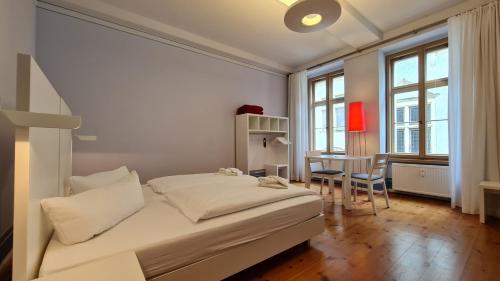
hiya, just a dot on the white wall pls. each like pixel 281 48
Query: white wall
pixel 157 108
pixel 365 81
pixel 17 35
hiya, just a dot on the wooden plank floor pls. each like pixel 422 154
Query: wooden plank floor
pixel 416 239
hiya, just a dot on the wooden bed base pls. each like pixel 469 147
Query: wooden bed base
pixel 244 256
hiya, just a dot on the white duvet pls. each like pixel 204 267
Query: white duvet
pixel 205 196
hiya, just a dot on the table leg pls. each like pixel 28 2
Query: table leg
pixel 347 185
pixel 307 169
pixel 331 187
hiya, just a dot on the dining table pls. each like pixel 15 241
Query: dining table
pixel 348 161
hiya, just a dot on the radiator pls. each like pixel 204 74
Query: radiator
pixel 421 179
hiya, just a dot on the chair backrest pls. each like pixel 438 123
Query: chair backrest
pixel 313 153
pixel 379 163
pixel 315 164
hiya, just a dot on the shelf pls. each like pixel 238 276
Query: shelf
pixel 281 141
pixel 266 132
pixel 264 124
pixel 275 124
pixel 269 116
pixel 41 120
pixel 283 124
pixel 277 165
pixel 280 170
pixel 253 123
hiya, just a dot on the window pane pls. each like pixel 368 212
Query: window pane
pixel 437 137
pixel 400 140
pixel 405 102
pixel 400 115
pixel 414 140
pixel 436 64
pixel 338 87
pixel 437 120
pixel 437 103
pixel 339 115
pixel 338 130
pixel 413 113
pixel 406 126
pixel 320 116
pixel 320 90
pixel 406 71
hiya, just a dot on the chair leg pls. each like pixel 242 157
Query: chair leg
pixel 321 188
pixel 386 195
pixel 343 190
pixel 355 191
pixel 370 195
pixel 332 190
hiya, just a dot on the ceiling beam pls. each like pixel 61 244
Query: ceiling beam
pixel 361 19
pixel 344 35
pixel 411 27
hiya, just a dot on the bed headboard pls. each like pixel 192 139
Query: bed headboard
pixel 42 163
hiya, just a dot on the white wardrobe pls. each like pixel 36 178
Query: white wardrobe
pixel 262 143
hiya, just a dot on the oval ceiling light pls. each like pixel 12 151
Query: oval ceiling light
pixel 312 19
pixel 312 15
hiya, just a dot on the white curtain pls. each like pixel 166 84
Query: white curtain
pixel 299 126
pixel 474 99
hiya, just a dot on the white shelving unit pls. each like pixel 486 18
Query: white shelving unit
pixel 251 130
pixel 280 170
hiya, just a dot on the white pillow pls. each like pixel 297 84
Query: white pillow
pixel 78 184
pixel 79 217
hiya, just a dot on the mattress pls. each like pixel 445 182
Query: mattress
pixel 164 239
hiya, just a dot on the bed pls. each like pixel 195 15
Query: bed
pixel 168 245
pixel 165 240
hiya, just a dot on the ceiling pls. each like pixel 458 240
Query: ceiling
pixel 254 30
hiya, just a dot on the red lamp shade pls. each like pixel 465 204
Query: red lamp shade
pixel 357 122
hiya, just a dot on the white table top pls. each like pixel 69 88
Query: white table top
pixel 120 267
pixel 340 157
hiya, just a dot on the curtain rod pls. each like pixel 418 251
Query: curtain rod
pixel 397 37
pixel 380 43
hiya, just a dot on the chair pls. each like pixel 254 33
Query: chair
pixel 379 163
pixel 318 170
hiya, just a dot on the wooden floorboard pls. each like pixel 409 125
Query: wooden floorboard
pixel 417 239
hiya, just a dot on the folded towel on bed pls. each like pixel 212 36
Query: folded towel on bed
pixel 273 182
pixel 230 172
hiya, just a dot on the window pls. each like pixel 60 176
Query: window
pixel 418 96
pixel 327 113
